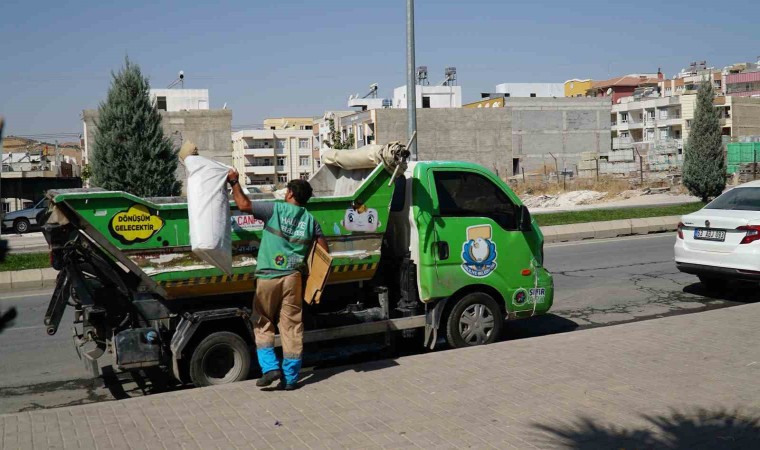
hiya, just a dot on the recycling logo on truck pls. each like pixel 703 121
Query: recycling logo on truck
pixel 479 252
pixel 135 225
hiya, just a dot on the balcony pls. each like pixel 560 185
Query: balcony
pixel 259 152
pixel 259 170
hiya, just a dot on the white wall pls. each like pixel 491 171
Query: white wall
pixel 182 99
pixel 525 89
pixel 440 96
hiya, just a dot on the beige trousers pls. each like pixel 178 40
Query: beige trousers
pixel 280 300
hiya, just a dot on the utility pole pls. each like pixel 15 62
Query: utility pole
pixel 411 82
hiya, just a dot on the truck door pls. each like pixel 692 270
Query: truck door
pixel 472 237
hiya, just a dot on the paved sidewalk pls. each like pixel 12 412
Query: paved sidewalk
pixel 679 382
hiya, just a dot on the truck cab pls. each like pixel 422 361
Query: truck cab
pixel 475 247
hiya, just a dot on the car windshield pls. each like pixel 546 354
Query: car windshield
pixel 740 198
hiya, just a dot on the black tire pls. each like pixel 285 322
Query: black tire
pixel 484 317
pixel 713 284
pixel 21 226
pixel 220 358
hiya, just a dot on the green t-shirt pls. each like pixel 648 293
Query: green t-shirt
pixel 289 231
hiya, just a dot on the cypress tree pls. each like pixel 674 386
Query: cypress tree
pixel 130 152
pixel 704 166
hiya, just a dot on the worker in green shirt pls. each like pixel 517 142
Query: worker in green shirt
pixel 289 232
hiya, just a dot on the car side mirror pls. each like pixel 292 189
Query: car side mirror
pixel 526 222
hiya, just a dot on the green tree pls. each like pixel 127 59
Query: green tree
pixel 130 152
pixel 336 141
pixel 86 172
pixel 704 166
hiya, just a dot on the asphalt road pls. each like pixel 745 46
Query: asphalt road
pixel 598 283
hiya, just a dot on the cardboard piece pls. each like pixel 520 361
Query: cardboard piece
pixel 319 262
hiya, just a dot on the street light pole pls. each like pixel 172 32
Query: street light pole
pixel 411 82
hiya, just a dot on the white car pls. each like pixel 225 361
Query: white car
pixel 721 241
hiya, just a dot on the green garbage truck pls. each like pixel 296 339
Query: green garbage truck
pixel 433 250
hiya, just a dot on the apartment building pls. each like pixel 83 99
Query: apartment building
pixel 270 158
pixel 654 122
pixel 322 128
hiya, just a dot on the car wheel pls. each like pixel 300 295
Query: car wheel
pixel 713 284
pixel 475 319
pixel 21 226
pixel 220 358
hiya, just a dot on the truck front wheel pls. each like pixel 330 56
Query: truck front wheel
pixel 220 358
pixel 474 320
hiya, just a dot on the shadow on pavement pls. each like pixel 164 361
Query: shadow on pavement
pixel 138 383
pixel 323 374
pixel 698 428
pixel 735 291
pixel 537 326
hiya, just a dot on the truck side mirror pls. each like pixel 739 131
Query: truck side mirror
pixel 526 223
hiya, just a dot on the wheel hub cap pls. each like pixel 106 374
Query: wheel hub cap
pixel 476 324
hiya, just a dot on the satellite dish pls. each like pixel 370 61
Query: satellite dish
pixel 609 91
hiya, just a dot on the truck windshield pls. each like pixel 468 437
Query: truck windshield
pixel 467 194
pixel 747 199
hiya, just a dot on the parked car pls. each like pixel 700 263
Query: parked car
pixel 721 241
pixel 23 220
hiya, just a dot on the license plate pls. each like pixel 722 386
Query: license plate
pixel 710 235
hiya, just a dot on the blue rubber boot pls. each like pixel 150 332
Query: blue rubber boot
pixel 290 369
pixel 270 366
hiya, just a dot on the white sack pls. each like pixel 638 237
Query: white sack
pixel 208 210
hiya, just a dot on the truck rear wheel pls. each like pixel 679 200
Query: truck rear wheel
pixel 220 358
pixel 474 320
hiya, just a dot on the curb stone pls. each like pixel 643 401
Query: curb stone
pixel 28 279
pixel 609 229
pixel 36 278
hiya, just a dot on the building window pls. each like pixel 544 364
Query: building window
pixel 688 123
pixel 303 144
pixel 282 178
pixel 280 160
pixel 426 102
pixel 304 175
pixel 623 117
pixel 303 161
pixel 280 143
pixel 161 103
pixel 532 94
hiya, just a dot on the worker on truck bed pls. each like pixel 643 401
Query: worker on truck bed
pixel 289 233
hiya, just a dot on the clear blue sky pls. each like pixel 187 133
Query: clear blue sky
pixel 286 57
